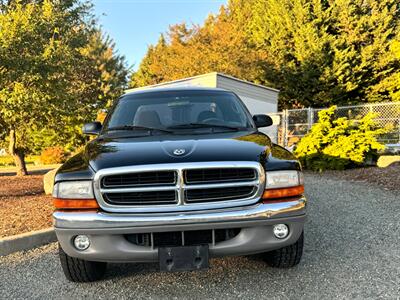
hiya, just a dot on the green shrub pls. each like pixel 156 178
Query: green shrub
pixel 53 155
pixel 339 143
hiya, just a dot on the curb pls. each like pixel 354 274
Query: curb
pixel 26 241
pixel 32 172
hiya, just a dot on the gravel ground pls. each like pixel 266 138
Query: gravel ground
pixel 346 256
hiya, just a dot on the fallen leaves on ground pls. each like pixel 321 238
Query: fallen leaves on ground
pixel 23 205
pixel 387 178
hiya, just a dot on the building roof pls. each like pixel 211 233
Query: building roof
pixel 159 89
pixel 212 74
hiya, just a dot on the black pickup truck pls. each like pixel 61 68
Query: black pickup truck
pixel 178 176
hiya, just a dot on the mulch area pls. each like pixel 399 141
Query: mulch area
pixel 387 178
pixel 23 205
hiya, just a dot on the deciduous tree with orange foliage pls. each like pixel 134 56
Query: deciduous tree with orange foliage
pixel 219 45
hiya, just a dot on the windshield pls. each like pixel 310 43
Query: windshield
pixel 179 110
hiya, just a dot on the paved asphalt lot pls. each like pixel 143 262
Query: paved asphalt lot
pixel 352 250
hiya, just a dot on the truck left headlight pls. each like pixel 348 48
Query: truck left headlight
pixel 74 195
pixel 280 184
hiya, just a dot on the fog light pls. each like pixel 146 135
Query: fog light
pixel 81 242
pixel 281 231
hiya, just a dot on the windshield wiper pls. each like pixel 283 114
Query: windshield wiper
pixel 134 127
pixel 202 125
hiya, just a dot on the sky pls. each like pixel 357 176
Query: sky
pixel 135 24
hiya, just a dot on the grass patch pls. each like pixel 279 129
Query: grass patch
pixel 8 161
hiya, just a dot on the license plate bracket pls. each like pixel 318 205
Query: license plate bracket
pixel 183 258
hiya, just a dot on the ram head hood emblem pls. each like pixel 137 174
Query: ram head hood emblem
pixel 179 152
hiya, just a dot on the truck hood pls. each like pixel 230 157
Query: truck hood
pixel 117 152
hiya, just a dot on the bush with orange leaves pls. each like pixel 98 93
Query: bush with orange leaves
pixel 53 155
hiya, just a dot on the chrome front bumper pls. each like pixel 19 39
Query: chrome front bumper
pixel 107 230
pixel 141 223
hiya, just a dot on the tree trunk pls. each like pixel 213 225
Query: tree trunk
pixel 18 155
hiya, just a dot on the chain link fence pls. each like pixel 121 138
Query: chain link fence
pixel 291 125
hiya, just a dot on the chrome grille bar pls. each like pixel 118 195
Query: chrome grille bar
pixel 218 185
pixel 138 189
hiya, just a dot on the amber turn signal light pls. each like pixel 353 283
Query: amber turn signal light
pixel 283 192
pixel 75 203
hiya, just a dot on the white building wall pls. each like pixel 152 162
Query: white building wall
pixel 260 107
pixel 256 106
pixel 249 90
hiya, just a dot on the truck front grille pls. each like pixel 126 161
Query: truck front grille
pixel 179 187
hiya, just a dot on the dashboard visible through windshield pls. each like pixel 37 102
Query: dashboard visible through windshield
pixel 179 110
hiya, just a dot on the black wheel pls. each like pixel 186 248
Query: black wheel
pixel 286 257
pixel 79 270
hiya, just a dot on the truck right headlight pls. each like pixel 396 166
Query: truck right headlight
pixel 281 184
pixel 74 195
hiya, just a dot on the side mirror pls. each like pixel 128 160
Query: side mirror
pixel 262 120
pixel 92 128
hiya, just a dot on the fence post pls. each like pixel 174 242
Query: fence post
pixel 310 117
pixel 370 108
pixel 399 130
pixel 285 117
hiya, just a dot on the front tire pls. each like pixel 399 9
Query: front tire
pixel 286 257
pixel 79 270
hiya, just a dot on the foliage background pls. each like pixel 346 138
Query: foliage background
pixel 318 53
pixel 57 70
